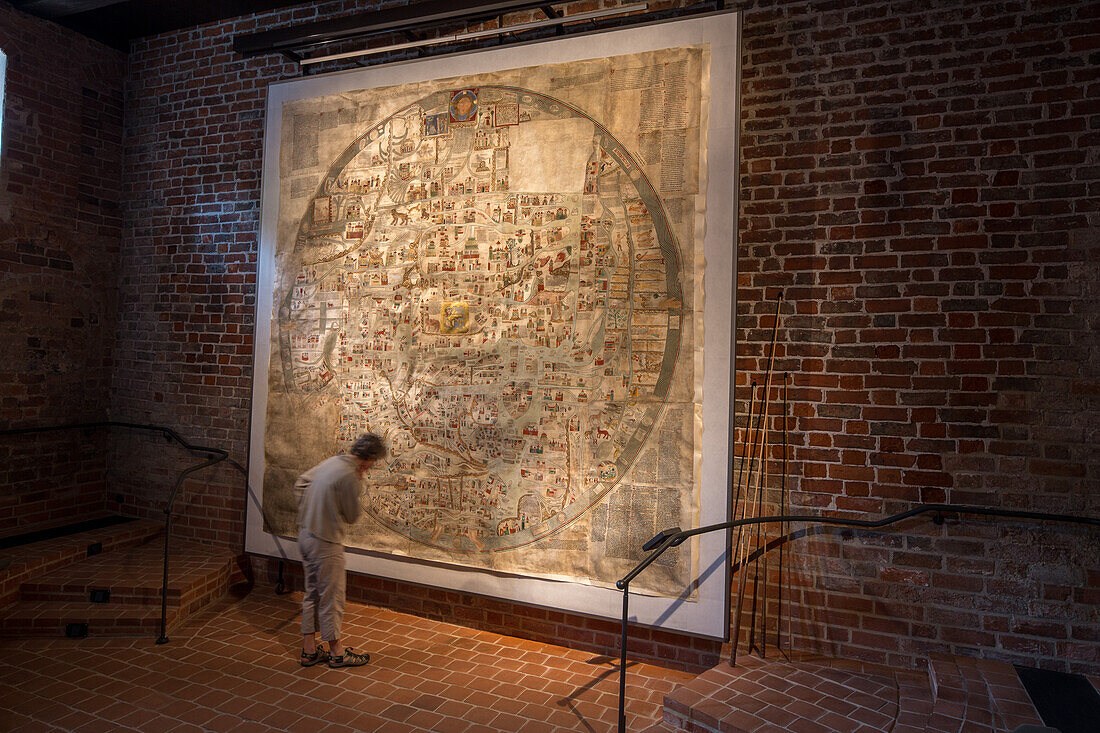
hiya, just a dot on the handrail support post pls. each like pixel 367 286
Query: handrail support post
pixel 163 638
pixel 622 660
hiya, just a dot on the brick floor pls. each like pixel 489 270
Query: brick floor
pixel 233 667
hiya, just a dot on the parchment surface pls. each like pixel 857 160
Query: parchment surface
pixel 500 274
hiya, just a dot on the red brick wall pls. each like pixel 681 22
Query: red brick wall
pixel 194 126
pixel 920 180
pixel 60 227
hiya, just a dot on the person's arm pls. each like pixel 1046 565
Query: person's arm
pixel 301 486
pixel 347 499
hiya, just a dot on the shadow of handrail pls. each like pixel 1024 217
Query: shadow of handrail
pixel 675 536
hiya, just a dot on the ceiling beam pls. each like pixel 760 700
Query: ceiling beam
pixel 60 8
pixel 400 19
pixel 117 22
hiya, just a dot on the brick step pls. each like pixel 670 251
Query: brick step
pixel 44 618
pixel 24 533
pixel 198 574
pixel 977 695
pixel 949 691
pixel 994 698
pixel 807 692
pixel 133 575
pixel 30 561
pixel 915 701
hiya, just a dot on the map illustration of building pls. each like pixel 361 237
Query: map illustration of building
pixel 493 279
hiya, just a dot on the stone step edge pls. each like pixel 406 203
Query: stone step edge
pixel 680 721
pixel 949 695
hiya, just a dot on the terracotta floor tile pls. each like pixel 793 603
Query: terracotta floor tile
pixel 776 715
pixel 404 694
pixel 424 720
pixel 233 667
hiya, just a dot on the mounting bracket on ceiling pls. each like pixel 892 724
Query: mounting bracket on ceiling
pixel 473 35
pixel 435 27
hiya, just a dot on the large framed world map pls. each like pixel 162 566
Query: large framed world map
pixel 516 266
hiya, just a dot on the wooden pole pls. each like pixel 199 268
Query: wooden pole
pixel 785 528
pixel 746 450
pixel 784 509
pixel 759 451
pixel 759 501
pixel 742 538
pixel 763 472
pixel 741 534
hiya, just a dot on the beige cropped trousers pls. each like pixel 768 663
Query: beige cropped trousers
pixel 326 585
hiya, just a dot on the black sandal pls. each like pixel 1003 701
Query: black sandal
pixel 349 658
pixel 308 660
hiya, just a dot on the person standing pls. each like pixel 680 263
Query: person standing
pixel 328 503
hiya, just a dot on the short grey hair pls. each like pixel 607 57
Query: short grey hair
pixel 367 446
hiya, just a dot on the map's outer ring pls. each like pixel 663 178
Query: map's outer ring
pixel 670 252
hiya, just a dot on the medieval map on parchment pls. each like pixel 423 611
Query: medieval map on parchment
pixel 500 274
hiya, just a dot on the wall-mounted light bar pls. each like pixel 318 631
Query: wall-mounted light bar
pixel 472 35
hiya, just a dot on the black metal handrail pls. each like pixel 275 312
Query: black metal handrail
pixel 675 536
pixel 214 456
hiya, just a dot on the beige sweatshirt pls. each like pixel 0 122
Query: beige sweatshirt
pixel 328 498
